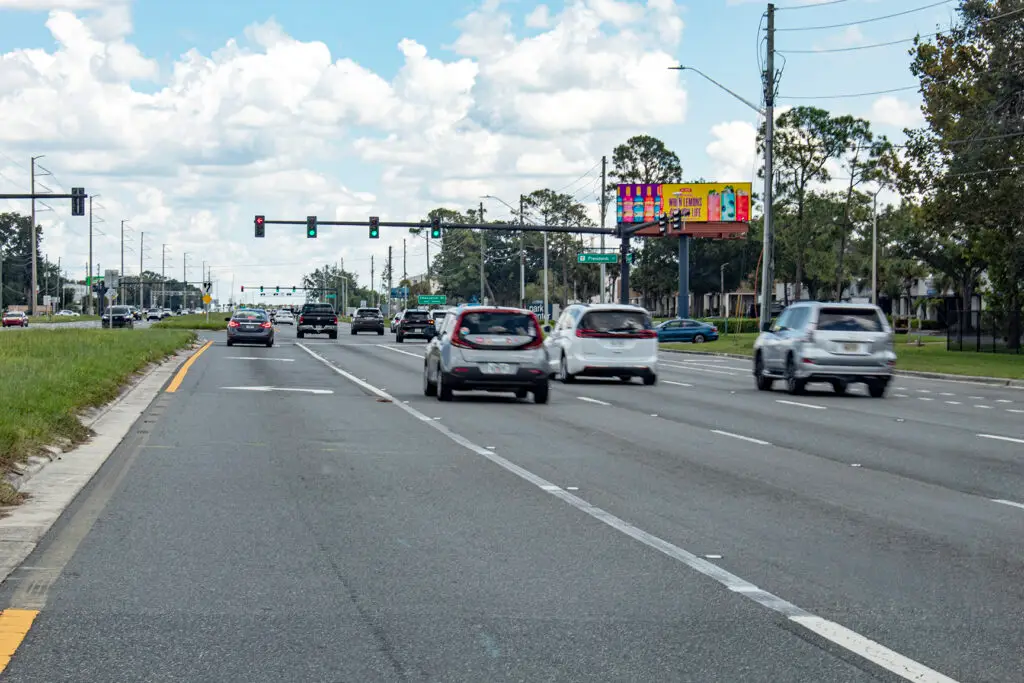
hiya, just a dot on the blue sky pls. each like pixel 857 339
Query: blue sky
pixel 720 37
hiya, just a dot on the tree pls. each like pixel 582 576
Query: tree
pixel 965 161
pixel 554 208
pixel 16 251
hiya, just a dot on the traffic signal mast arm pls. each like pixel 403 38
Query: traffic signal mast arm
pixel 471 226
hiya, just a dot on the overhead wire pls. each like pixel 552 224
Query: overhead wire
pixel 811 5
pixel 864 21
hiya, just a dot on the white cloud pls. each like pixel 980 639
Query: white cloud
pixel 539 17
pixel 892 111
pixel 270 124
pixel 733 151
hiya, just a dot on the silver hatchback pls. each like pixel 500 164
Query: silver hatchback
pixel 835 343
pixel 487 349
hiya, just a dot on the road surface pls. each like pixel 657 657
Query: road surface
pixel 304 513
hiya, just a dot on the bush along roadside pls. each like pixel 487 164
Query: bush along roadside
pixel 49 376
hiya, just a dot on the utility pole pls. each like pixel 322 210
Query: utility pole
pixel 874 250
pixel 522 253
pixel 35 276
pixel 184 279
pixel 483 252
pixel 546 313
pixel 88 280
pixel 1 279
pixel 389 280
pixel 767 258
pixel 405 278
pixel 142 288
pixel 60 286
pixel 430 286
pixel 120 281
pixel 604 181
pixel 163 276
pixel 373 290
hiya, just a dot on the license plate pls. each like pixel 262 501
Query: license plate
pixel 616 343
pixel 498 369
pixel 250 328
pixel 851 348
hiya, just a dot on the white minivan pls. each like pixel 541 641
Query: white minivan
pixel 604 340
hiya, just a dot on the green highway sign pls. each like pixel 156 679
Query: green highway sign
pixel 597 257
pixel 332 296
pixel 431 299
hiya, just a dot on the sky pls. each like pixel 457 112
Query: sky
pixel 185 119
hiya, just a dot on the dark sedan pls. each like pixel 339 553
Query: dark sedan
pixel 250 327
pixel 117 316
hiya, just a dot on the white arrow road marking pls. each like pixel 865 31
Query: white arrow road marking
pixel 298 389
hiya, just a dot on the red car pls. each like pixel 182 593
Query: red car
pixel 15 319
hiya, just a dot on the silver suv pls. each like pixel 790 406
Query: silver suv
pixel 836 343
pixel 488 349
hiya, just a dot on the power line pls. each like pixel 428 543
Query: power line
pixel 593 168
pixel 810 5
pixel 856 94
pixel 864 21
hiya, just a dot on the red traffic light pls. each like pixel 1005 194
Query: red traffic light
pixel 259 220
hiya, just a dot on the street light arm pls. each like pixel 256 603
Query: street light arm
pixel 742 99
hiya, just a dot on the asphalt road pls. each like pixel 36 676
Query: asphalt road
pixel 697 530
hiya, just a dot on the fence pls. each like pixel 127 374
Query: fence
pixel 983 331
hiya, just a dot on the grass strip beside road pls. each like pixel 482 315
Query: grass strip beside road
pixel 194 322
pixel 932 356
pixel 59 319
pixel 48 376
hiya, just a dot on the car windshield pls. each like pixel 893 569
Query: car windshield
pixel 616 321
pixel 250 315
pixel 415 315
pixel 498 322
pixel 849 320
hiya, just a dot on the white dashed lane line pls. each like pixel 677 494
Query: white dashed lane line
pixel 800 405
pixel 593 400
pixel 996 437
pixel 741 437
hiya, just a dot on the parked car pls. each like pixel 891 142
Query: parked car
pixel 686 330
pixel 487 349
pixel 15 319
pixel 67 314
pixel 604 340
pixel 835 343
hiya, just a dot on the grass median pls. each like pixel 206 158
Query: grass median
pixel 931 356
pixel 47 377
pixel 194 322
pixel 59 319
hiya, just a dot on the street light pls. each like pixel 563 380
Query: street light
pixel 767 274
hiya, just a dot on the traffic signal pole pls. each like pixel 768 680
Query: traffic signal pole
pixel 501 227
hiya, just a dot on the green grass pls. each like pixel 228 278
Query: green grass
pixel 48 376
pixel 931 357
pixel 194 322
pixel 60 319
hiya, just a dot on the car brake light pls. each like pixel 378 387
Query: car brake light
pixel 585 334
pixel 302 319
pixel 457 341
pixel 335 320
pixel 233 323
pixel 714 329
pixel 647 334
pixel 265 325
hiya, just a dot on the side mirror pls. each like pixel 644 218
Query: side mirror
pixel 767 327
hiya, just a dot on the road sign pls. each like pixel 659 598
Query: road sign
pixel 431 299
pixel 332 296
pixel 399 292
pixel 597 257
pixel 207 298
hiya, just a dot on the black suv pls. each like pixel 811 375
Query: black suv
pixel 415 324
pixel 368 320
pixel 117 316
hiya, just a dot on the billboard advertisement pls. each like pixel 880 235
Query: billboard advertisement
pixel 708 202
pixel 638 203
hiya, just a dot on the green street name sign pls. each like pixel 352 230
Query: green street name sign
pixel 431 299
pixel 597 258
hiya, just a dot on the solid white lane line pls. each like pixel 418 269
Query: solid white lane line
pixel 678 384
pixel 593 400
pixel 296 389
pixel 1008 502
pixel 996 437
pixel 850 640
pixel 741 437
pixel 407 353
pixel 801 405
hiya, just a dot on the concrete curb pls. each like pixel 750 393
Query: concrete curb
pixel 53 482
pixel 991 381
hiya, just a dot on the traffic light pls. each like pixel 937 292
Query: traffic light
pixel 261 226
pixel 243 288
pixel 677 220
pixel 663 223
pixel 374 227
pixel 435 228
pixel 77 201
pixel 261 289
pixel 294 289
pixel 277 290
pixel 311 227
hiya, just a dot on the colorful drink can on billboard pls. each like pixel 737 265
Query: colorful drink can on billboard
pixel 638 206
pixel 728 204
pixel 649 205
pixel 618 209
pixel 743 206
pixel 627 206
pixel 714 206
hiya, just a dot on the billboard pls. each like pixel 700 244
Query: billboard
pixel 700 202
pixel 708 202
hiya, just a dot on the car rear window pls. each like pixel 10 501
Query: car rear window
pixel 250 315
pixel 364 312
pixel 616 321
pixel 849 320
pixel 415 315
pixel 498 322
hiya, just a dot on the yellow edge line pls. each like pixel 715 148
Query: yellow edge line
pixel 14 626
pixel 178 378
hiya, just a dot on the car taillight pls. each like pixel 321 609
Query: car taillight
pixel 457 341
pixel 585 334
pixel 302 319
pixel 266 325
pixel 335 320
pixel 647 334
pixel 233 323
pixel 714 329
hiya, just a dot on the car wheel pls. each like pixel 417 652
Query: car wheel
pixel 522 393
pixel 300 335
pixel 794 385
pixel 353 333
pixel 877 389
pixel 625 379
pixel 840 386
pixel 230 343
pixel 763 383
pixel 563 372
pixel 333 335
pixel 444 392
pixel 541 394
pixel 650 379
pixel 698 339
pixel 429 388
pixel 399 338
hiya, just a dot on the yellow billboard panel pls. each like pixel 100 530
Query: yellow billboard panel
pixel 708 202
